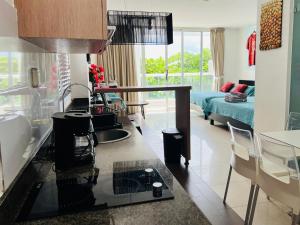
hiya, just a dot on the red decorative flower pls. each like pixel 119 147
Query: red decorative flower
pixel 101 78
pixel 93 66
pixel 94 71
pixel 96 74
pixel 101 69
pixel 96 78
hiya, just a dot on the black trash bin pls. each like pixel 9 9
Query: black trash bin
pixel 173 143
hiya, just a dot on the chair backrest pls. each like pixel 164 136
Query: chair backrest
pixel 242 140
pixel 278 159
pixel 293 122
pixel 278 172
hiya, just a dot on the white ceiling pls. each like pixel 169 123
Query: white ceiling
pixel 196 13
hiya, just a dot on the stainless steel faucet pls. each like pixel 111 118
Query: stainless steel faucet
pixel 74 84
pixel 91 92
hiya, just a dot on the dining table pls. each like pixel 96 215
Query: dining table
pixel 289 137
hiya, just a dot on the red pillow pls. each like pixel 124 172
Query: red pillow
pixel 240 88
pixel 227 87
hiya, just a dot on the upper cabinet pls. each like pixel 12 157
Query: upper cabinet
pixel 64 26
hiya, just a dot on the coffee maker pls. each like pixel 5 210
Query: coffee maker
pixel 74 139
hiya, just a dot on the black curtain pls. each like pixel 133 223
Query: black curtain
pixel 141 27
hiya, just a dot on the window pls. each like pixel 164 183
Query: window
pixel 10 75
pixel 207 64
pixel 186 61
pixel 192 59
pixel 155 65
pixel 174 60
pixel 155 69
pixel 10 70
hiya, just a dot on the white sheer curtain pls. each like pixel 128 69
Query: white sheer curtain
pixel 217 41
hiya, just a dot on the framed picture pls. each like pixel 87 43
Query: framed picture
pixel 271 25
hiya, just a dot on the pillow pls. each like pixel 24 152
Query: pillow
pixel 240 88
pixel 227 87
pixel 250 90
pixel 252 94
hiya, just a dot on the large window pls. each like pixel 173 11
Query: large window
pixel 192 46
pixel 174 60
pixel 186 61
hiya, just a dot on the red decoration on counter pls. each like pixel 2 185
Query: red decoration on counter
pixel 101 78
pixel 101 69
pixel 96 78
pixel 96 74
pixel 93 66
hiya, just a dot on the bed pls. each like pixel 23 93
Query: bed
pixel 202 99
pixel 242 112
pixel 240 115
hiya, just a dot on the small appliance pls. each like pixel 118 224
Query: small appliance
pixel 74 139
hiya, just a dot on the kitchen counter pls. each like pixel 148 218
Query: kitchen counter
pixel 179 211
pixel 182 113
pixel 144 89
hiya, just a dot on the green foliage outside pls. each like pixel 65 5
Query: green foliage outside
pixel 191 63
pixel 191 69
pixel 203 83
pixel 4 70
pixel 4 64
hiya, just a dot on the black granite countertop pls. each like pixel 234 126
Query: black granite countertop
pixel 179 211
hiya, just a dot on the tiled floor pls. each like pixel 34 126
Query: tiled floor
pixel 205 179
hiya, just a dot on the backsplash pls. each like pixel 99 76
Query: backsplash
pixel 25 112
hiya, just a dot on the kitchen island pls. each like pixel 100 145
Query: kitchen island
pixel 178 211
pixel 182 101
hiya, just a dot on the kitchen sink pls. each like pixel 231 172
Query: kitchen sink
pixel 113 135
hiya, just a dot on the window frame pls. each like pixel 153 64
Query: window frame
pixel 182 31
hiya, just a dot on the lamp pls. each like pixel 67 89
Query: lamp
pixel 135 27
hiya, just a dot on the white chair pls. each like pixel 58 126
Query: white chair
pixel 243 160
pixel 278 175
pixel 293 122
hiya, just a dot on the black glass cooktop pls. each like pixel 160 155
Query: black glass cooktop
pixel 90 190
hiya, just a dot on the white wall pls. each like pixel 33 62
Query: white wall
pixel 273 77
pixel 8 21
pixel 245 71
pixel 196 13
pixel 79 74
pixel 231 54
pixel 236 55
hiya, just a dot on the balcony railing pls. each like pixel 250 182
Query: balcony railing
pixel 199 83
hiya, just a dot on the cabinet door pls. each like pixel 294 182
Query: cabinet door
pixel 65 19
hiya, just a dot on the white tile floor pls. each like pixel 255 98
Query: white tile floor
pixel 210 160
